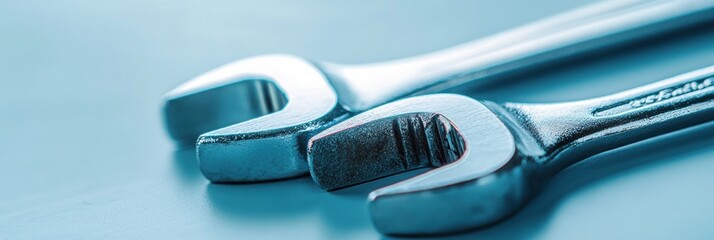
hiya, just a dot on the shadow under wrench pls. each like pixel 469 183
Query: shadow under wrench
pixel 531 220
pixel 351 203
pixel 260 201
pixel 273 200
pixel 185 166
pixel 263 200
pixel 280 201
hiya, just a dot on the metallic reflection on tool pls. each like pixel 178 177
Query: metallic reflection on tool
pixel 490 158
pixel 279 102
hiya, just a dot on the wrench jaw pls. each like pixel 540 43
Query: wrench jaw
pixel 481 178
pixel 418 207
pixel 230 94
pixel 189 116
pixel 286 99
pixel 382 147
pixel 239 153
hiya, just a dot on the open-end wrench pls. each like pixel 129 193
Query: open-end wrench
pixel 280 101
pixel 490 158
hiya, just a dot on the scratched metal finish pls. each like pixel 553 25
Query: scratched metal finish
pixel 490 179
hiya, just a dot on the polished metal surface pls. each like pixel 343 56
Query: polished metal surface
pixel 265 102
pixel 490 158
pixel 85 154
pixel 272 147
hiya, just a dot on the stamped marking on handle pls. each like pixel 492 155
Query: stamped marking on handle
pixel 666 94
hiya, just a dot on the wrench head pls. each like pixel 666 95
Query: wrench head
pixel 477 180
pixel 252 116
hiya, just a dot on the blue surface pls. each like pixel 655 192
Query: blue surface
pixel 83 154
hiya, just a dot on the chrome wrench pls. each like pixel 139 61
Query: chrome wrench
pixel 278 102
pixel 490 158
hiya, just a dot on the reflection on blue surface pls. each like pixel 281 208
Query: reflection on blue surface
pixel 84 155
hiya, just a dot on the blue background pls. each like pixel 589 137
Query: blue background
pixel 83 153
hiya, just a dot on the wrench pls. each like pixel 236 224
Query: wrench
pixel 279 101
pixel 490 158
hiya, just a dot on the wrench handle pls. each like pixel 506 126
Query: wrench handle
pixel 572 131
pixel 361 87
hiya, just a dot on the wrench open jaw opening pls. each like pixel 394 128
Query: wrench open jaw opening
pixel 190 114
pixel 479 175
pixel 275 102
pixel 399 143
